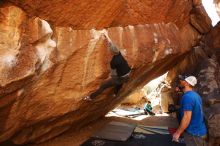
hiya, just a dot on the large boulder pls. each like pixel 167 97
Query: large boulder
pixel 209 82
pixel 209 89
pixel 48 68
pixel 200 19
pixel 212 41
pixel 88 14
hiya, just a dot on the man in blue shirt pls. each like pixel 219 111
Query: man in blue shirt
pixel 191 114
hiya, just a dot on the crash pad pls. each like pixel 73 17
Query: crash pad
pixel 137 139
pixel 117 131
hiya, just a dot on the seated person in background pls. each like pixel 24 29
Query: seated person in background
pixel 148 108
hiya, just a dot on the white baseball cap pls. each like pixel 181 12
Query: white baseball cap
pixel 190 79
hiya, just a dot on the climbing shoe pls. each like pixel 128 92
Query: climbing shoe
pixel 88 98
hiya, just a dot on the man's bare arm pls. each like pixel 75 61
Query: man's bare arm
pixel 184 122
pixel 183 125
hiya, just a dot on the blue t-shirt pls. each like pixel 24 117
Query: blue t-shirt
pixel 191 101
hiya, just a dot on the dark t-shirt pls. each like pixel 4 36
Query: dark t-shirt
pixel 120 64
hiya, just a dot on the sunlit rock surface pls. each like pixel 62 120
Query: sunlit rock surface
pixel 199 18
pixel 217 5
pixel 87 14
pixel 47 67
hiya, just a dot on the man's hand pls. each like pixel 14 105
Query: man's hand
pixel 176 136
pixel 183 125
pixel 106 38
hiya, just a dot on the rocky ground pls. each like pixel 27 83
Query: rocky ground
pixel 75 138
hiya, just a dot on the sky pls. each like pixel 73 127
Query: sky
pixel 210 9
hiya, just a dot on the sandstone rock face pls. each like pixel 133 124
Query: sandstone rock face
pixel 209 89
pixel 212 41
pixel 22 62
pixel 190 35
pixel 166 99
pixel 200 20
pixel 47 70
pixel 217 5
pixel 134 98
pixel 209 77
pixel 80 70
pixel 87 14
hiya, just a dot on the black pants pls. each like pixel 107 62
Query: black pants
pixel 147 112
pixel 116 82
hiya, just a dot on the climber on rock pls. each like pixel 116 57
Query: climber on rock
pixel 120 71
